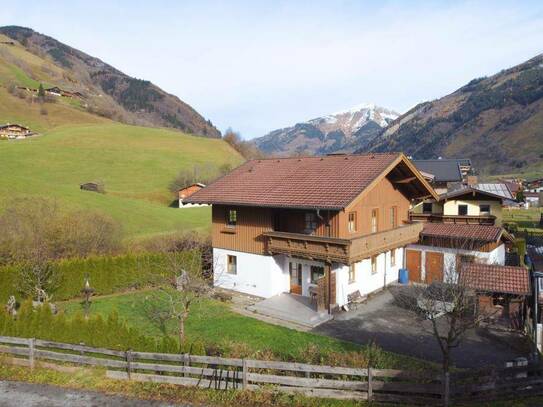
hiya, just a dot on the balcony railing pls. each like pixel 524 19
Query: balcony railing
pixel 345 251
pixel 460 219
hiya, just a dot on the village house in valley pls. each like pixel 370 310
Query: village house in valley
pixel 323 227
pixel 186 192
pixel 15 131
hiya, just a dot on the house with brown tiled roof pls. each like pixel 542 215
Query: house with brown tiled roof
pixel 444 247
pixel 328 228
pixel 502 291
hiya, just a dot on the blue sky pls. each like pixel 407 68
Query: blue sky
pixel 258 66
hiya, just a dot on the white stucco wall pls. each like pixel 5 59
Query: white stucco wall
pixel 365 281
pixel 496 256
pixel 263 276
pixel 189 205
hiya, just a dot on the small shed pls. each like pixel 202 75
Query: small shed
pixel 502 291
pixel 188 191
pixel 92 186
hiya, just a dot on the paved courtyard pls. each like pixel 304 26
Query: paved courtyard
pixel 398 330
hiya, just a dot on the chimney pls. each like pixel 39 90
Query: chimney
pixel 472 180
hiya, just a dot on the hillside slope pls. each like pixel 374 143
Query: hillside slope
pixel 496 121
pixel 108 92
pixel 136 164
pixel 338 132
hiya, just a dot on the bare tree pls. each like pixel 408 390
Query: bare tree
pixel 187 267
pixel 450 307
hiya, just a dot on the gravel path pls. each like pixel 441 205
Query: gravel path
pixel 19 394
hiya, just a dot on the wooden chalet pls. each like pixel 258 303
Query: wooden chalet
pixel 321 227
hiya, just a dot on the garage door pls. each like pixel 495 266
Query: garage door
pixel 412 263
pixel 434 267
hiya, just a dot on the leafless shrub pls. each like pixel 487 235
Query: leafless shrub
pixel 35 232
pixel 187 267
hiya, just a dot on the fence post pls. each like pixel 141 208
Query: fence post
pixel 128 354
pixel 186 363
pixel 446 389
pixel 370 384
pixel 244 374
pixel 31 356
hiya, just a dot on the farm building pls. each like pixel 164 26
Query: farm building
pixel 15 131
pixel 186 192
pixel 92 186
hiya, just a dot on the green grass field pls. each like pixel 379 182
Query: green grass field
pixel 215 324
pixel 136 164
pixel 525 218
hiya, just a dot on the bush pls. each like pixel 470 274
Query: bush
pixel 32 227
pixel 107 274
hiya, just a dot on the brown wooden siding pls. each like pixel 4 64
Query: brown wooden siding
pixel 382 197
pixel 246 236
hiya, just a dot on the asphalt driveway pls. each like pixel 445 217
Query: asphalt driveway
pixel 398 330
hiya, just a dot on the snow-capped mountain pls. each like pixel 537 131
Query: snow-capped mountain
pixel 342 131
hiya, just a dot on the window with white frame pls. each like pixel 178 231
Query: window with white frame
pixel 484 209
pixel 352 273
pixel 373 264
pixel 352 222
pixel 374 220
pixel 232 264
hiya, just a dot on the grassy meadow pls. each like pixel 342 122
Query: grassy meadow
pixel 214 324
pixel 136 164
pixel 524 218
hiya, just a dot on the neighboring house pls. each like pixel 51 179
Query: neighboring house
pixel 325 227
pixel 446 172
pixel 503 292
pixel 535 185
pixel 532 199
pixel 471 204
pixel 15 131
pixel 514 186
pixel 186 192
pixel 443 247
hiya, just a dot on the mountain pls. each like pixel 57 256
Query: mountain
pixel 338 132
pixel 107 91
pixel 496 121
pixel 74 145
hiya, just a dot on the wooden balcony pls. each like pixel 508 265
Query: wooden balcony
pixel 460 219
pixel 345 251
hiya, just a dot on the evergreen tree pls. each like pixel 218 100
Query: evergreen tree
pixel 41 92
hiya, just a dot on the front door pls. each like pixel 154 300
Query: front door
pixel 295 270
pixel 412 264
pixel 434 267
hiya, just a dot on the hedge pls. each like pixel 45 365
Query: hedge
pixel 107 274
pixel 111 333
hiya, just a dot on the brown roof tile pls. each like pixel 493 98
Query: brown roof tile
pixel 496 279
pixel 482 233
pixel 330 182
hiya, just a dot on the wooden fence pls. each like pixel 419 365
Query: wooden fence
pixel 382 385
